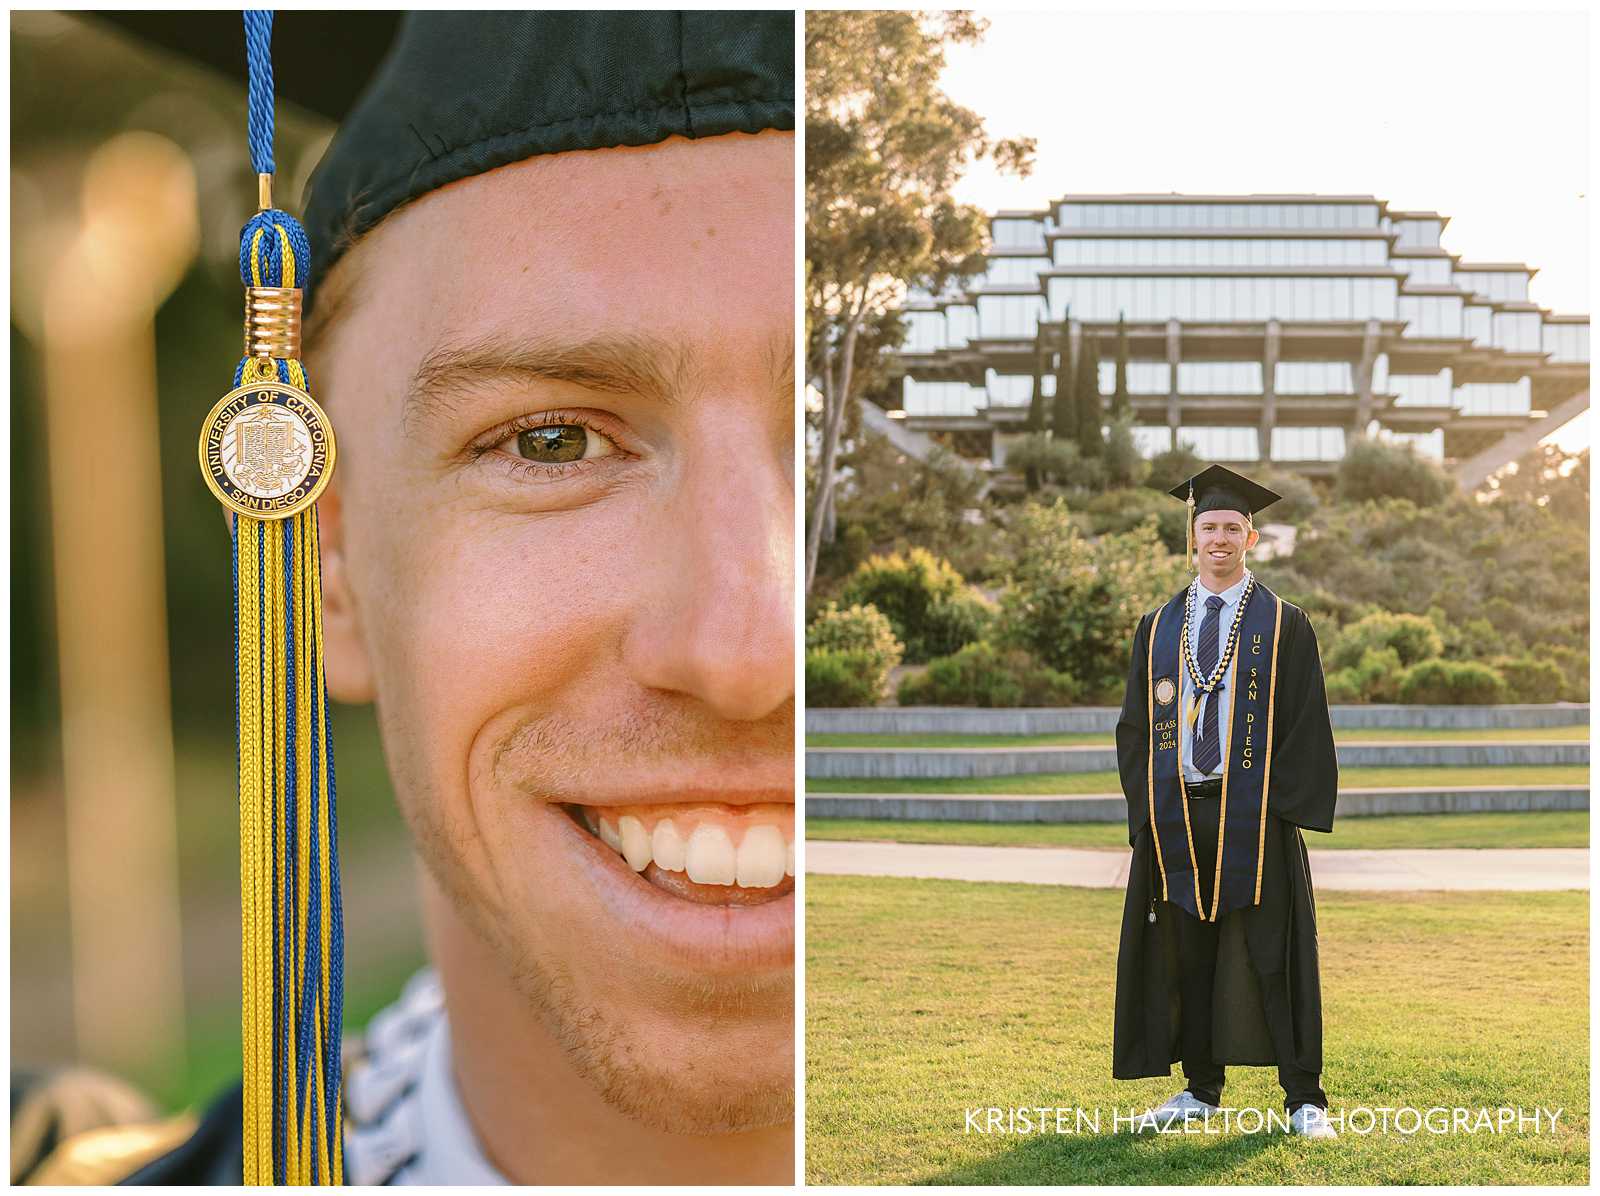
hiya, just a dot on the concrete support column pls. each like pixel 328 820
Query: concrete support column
pixel 1269 389
pixel 1174 355
pixel 1369 354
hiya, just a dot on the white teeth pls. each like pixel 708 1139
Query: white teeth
pixel 710 858
pixel 666 845
pixel 760 859
pixel 764 856
pixel 635 843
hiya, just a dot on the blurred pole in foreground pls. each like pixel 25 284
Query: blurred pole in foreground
pixel 137 236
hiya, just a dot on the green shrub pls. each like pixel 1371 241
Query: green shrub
pixel 1298 499
pixel 1169 468
pixel 930 608
pixel 1343 688
pixel 858 629
pixel 983 675
pixel 1051 458
pixel 1374 470
pixel 1574 665
pixel 1379 675
pixel 1412 637
pixel 1125 509
pixel 842 678
pixel 1073 603
pixel 1452 683
pixel 1530 680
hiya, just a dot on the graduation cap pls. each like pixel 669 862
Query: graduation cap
pixel 1218 488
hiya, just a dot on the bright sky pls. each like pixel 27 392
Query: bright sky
pixel 1481 116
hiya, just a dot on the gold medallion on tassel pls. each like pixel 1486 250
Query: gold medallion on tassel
pixel 267 450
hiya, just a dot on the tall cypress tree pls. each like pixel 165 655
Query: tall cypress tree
pixel 1091 440
pixel 1064 413
pixel 1041 363
pixel 1121 405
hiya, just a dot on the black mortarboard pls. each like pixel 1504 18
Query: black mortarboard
pixel 1218 488
pixel 462 93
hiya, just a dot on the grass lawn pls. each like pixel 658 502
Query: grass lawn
pixel 1559 828
pixel 1428 777
pixel 925 998
pixel 1578 733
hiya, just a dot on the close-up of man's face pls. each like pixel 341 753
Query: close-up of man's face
pixel 559 558
pixel 1221 539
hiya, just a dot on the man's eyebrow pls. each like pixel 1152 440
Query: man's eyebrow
pixel 644 365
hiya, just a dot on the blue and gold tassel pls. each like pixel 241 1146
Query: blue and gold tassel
pixel 267 451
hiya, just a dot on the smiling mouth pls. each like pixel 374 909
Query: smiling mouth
pixel 707 854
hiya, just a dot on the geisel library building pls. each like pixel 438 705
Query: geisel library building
pixel 1259 328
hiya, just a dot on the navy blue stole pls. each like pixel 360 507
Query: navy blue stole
pixel 1247 767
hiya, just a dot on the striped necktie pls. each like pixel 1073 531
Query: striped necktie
pixel 1207 749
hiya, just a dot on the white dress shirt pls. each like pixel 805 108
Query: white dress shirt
pixel 1224 697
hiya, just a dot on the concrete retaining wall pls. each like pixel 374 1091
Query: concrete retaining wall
pixel 926 763
pixel 961 720
pixel 1112 807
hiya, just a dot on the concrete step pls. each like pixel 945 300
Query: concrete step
pixel 965 720
pixel 928 763
pixel 1112 807
pixel 1528 869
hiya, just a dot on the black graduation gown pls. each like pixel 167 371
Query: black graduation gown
pixel 1268 999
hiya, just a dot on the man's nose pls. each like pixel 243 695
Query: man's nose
pixel 717 618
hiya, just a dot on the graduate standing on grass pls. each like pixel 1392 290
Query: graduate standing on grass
pixel 1225 750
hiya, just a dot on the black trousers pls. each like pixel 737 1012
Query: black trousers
pixel 1197 965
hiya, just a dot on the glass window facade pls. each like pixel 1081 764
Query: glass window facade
pixel 1508 286
pixel 940 398
pixel 1015 271
pixel 1477 322
pixel 1219 377
pixel 1013 390
pixel 1495 398
pixel 1222 444
pixel 1163 214
pixel 960 325
pixel 1432 315
pixel 1567 342
pixel 1314 378
pixel 1418 234
pixel 1425 271
pixel 1307 444
pixel 1012 233
pixel 1518 331
pixel 1421 390
pixel 1152 440
pixel 1144 378
pixel 1427 444
pixel 1224 299
pixel 1218 251
pixel 1008 315
pixel 924 331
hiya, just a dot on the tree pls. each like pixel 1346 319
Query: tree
pixel 1121 404
pixel 1091 440
pixel 1063 411
pixel 884 145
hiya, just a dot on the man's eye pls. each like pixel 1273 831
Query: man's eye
pixel 559 444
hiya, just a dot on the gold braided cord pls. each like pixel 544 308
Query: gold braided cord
pixel 289 1032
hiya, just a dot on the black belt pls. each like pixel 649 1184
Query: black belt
pixel 1198 789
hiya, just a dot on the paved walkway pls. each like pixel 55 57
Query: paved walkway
pixel 1531 868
